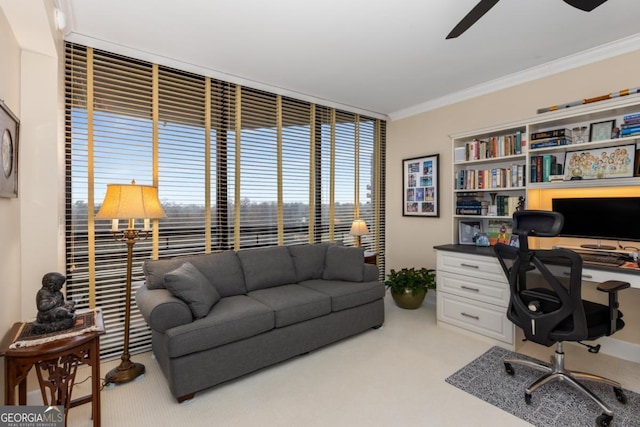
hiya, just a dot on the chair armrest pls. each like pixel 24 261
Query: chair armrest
pixel 613 286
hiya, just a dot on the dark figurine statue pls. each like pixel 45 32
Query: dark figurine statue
pixel 520 206
pixel 54 313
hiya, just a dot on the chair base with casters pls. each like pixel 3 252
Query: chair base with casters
pixel 557 372
pixel 545 287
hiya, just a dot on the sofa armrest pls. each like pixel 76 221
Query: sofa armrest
pixel 161 310
pixel 370 273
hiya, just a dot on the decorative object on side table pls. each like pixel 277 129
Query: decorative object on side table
pixel 9 132
pixel 129 202
pixel 54 313
pixel 409 286
pixel 358 228
pixel 420 186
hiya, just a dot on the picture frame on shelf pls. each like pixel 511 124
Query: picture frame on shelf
pixel 420 186
pixel 599 163
pixel 600 131
pixel 9 134
pixel 468 231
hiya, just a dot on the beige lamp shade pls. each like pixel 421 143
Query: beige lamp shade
pixel 359 228
pixel 131 201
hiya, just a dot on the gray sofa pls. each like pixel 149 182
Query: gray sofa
pixel 215 317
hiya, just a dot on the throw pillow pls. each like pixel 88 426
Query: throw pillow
pixel 344 263
pixel 308 260
pixel 189 284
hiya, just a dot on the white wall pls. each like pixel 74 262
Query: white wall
pixel 31 226
pixel 10 246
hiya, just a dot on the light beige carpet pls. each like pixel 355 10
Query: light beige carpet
pixel 393 376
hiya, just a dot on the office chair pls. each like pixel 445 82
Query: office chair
pixel 549 307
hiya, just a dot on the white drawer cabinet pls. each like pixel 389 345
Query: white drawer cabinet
pixel 473 294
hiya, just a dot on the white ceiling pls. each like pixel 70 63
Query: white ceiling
pixel 384 57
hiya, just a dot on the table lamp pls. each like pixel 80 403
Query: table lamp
pixel 358 228
pixel 130 202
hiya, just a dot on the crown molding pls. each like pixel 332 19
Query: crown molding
pixel 589 56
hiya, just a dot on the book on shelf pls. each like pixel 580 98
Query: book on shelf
pixel 470 203
pixel 628 131
pixel 544 166
pixel 549 162
pixel 550 142
pixel 630 122
pixel 631 116
pixel 518 149
pixel 553 133
pixel 494 147
pixel 629 125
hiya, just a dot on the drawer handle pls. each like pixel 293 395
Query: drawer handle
pixel 584 276
pixel 469 265
pixel 470 289
pixel 470 316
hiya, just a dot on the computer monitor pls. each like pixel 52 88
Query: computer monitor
pixel 608 218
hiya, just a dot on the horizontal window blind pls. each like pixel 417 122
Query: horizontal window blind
pixel 235 168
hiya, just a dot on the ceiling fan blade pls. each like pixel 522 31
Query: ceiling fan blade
pixel 586 5
pixel 476 13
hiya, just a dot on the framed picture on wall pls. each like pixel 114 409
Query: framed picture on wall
pixel 420 196
pixel 9 129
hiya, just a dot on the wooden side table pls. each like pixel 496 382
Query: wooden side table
pixel 56 365
pixel 371 257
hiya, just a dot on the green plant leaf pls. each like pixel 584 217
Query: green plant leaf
pixel 411 278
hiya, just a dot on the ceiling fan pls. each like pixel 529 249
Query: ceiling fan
pixel 485 5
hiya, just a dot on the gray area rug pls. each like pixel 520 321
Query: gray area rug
pixel 554 404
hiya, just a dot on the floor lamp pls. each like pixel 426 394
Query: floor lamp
pixel 358 228
pixel 129 202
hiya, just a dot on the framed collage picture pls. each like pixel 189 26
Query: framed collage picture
pixel 420 186
pixel 597 163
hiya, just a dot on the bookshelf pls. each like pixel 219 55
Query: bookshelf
pixel 489 177
pixel 472 290
pixel 466 169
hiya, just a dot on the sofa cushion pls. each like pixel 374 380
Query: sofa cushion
pixel 223 270
pixel 267 267
pixel 308 260
pixel 344 263
pixel 189 284
pixel 233 318
pixel 293 303
pixel 347 294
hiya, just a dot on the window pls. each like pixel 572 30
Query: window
pixel 235 168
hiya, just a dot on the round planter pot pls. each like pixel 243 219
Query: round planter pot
pixel 407 300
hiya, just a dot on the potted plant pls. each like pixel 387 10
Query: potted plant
pixel 409 286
